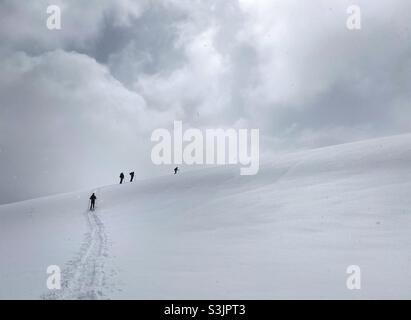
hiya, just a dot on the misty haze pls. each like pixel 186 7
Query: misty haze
pixel 304 194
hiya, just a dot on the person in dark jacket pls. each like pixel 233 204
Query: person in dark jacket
pixel 92 201
pixel 131 176
pixel 176 170
pixel 121 178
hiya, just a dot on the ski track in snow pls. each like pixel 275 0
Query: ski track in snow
pixel 84 277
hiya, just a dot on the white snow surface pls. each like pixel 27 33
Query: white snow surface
pixel 289 232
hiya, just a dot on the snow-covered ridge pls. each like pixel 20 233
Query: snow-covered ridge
pixel 288 232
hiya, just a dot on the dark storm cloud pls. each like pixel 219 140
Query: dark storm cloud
pixel 78 105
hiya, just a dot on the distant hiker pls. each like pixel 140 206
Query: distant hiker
pixel 92 201
pixel 121 178
pixel 176 170
pixel 131 176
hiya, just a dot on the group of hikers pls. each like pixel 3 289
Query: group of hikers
pixel 93 197
pixel 122 177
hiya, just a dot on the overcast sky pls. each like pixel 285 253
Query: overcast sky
pixel 78 105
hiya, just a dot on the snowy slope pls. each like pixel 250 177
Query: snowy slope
pixel 289 232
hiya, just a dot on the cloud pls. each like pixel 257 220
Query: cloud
pixel 23 26
pixel 66 119
pixel 79 104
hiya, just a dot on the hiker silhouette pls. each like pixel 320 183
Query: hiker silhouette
pixel 131 176
pixel 121 178
pixel 176 170
pixel 92 201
